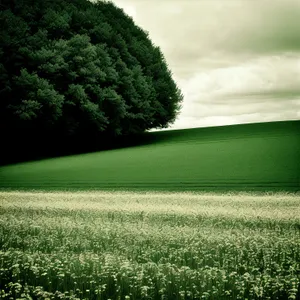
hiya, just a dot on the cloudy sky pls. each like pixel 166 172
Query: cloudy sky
pixel 236 61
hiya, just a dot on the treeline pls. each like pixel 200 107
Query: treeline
pixel 73 72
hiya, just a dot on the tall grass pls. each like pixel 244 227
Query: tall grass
pixel 98 245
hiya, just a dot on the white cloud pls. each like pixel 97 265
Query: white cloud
pixel 263 89
pixel 235 61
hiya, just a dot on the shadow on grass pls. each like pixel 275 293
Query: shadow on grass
pixel 18 149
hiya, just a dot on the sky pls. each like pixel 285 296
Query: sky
pixel 235 61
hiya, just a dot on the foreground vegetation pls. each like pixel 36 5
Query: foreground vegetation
pixel 240 157
pixel 98 245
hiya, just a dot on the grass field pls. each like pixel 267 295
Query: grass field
pixel 120 244
pixel 262 156
pixel 105 245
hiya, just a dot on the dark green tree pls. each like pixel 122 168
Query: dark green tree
pixel 73 69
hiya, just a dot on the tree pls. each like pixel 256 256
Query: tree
pixel 72 68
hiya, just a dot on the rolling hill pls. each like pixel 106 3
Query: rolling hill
pixel 248 157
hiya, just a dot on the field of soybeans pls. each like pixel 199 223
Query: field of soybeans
pixel 149 245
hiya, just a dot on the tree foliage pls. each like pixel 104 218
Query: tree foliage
pixel 73 68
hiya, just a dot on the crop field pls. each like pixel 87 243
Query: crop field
pixel 251 157
pixel 149 245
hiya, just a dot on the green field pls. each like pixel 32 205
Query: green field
pixel 125 245
pixel 252 157
pixel 86 244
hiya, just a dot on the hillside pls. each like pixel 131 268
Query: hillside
pixel 254 157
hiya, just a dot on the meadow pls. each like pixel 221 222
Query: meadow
pixel 249 157
pixel 205 213
pixel 149 245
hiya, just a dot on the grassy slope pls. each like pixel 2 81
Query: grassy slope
pixel 262 156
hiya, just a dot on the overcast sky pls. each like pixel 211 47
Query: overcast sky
pixel 236 61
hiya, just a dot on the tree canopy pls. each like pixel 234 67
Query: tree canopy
pixel 74 68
